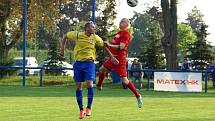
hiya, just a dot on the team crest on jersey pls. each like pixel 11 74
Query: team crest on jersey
pixel 91 40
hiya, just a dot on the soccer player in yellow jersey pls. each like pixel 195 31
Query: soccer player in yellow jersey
pixel 84 66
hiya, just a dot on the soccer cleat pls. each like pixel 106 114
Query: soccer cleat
pixel 99 88
pixel 139 101
pixel 81 114
pixel 88 112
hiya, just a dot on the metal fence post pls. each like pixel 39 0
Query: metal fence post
pixel 206 81
pixel 41 76
pixel 24 42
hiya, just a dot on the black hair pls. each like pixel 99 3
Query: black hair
pixel 88 24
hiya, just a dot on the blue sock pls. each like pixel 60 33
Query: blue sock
pixel 90 97
pixel 79 98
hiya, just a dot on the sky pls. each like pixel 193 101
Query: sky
pixel 206 7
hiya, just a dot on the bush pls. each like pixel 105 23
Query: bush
pixel 6 62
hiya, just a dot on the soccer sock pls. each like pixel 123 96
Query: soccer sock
pixel 101 79
pixel 90 97
pixel 133 89
pixel 79 98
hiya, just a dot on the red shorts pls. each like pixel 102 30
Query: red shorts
pixel 120 68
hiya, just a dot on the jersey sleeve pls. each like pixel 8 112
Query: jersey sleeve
pixel 72 35
pixel 99 41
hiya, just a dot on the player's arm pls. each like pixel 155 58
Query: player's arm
pixel 63 45
pixel 102 43
pixel 72 35
pixel 117 47
pixel 113 59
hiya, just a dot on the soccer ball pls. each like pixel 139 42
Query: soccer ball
pixel 132 3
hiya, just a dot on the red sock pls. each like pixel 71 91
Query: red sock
pixel 133 89
pixel 101 79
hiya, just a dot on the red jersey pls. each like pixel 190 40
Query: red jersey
pixel 123 36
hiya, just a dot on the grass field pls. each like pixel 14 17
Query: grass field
pixel 58 103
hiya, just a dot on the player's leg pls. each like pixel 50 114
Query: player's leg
pixel 101 79
pixel 134 90
pixel 102 72
pixel 79 98
pixel 89 75
pixel 107 65
pixel 78 77
pixel 130 86
pixel 122 73
pixel 90 96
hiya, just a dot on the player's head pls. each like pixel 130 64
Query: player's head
pixel 124 23
pixel 135 60
pixel 90 28
pixel 185 59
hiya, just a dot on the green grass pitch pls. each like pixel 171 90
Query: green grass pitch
pixel 59 104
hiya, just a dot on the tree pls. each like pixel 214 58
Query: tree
pixel 73 16
pixel 157 15
pixel 152 58
pixel 72 13
pixel 169 41
pixel 54 58
pixel 146 40
pixel 105 22
pixel 201 51
pixel 185 37
pixel 195 19
pixel 11 23
pixel 140 25
pixel 11 32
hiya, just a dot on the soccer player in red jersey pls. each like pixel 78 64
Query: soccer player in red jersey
pixel 118 47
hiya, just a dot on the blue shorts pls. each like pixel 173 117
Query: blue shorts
pixel 84 71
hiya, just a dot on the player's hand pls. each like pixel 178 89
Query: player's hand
pixel 106 58
pixel 106 43
pixel 114 61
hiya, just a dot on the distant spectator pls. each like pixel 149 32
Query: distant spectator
pixel 137 74
pixel 128 66
pixel 212 70
pixel 186 65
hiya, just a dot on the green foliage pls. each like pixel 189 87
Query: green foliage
pixel 201 51
pixel 73 15
pixel 6 62
pixel 54 58
pixel 11 23
pixel 146 42
pixel 195 19
pixel 105 22
pixel 185 37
